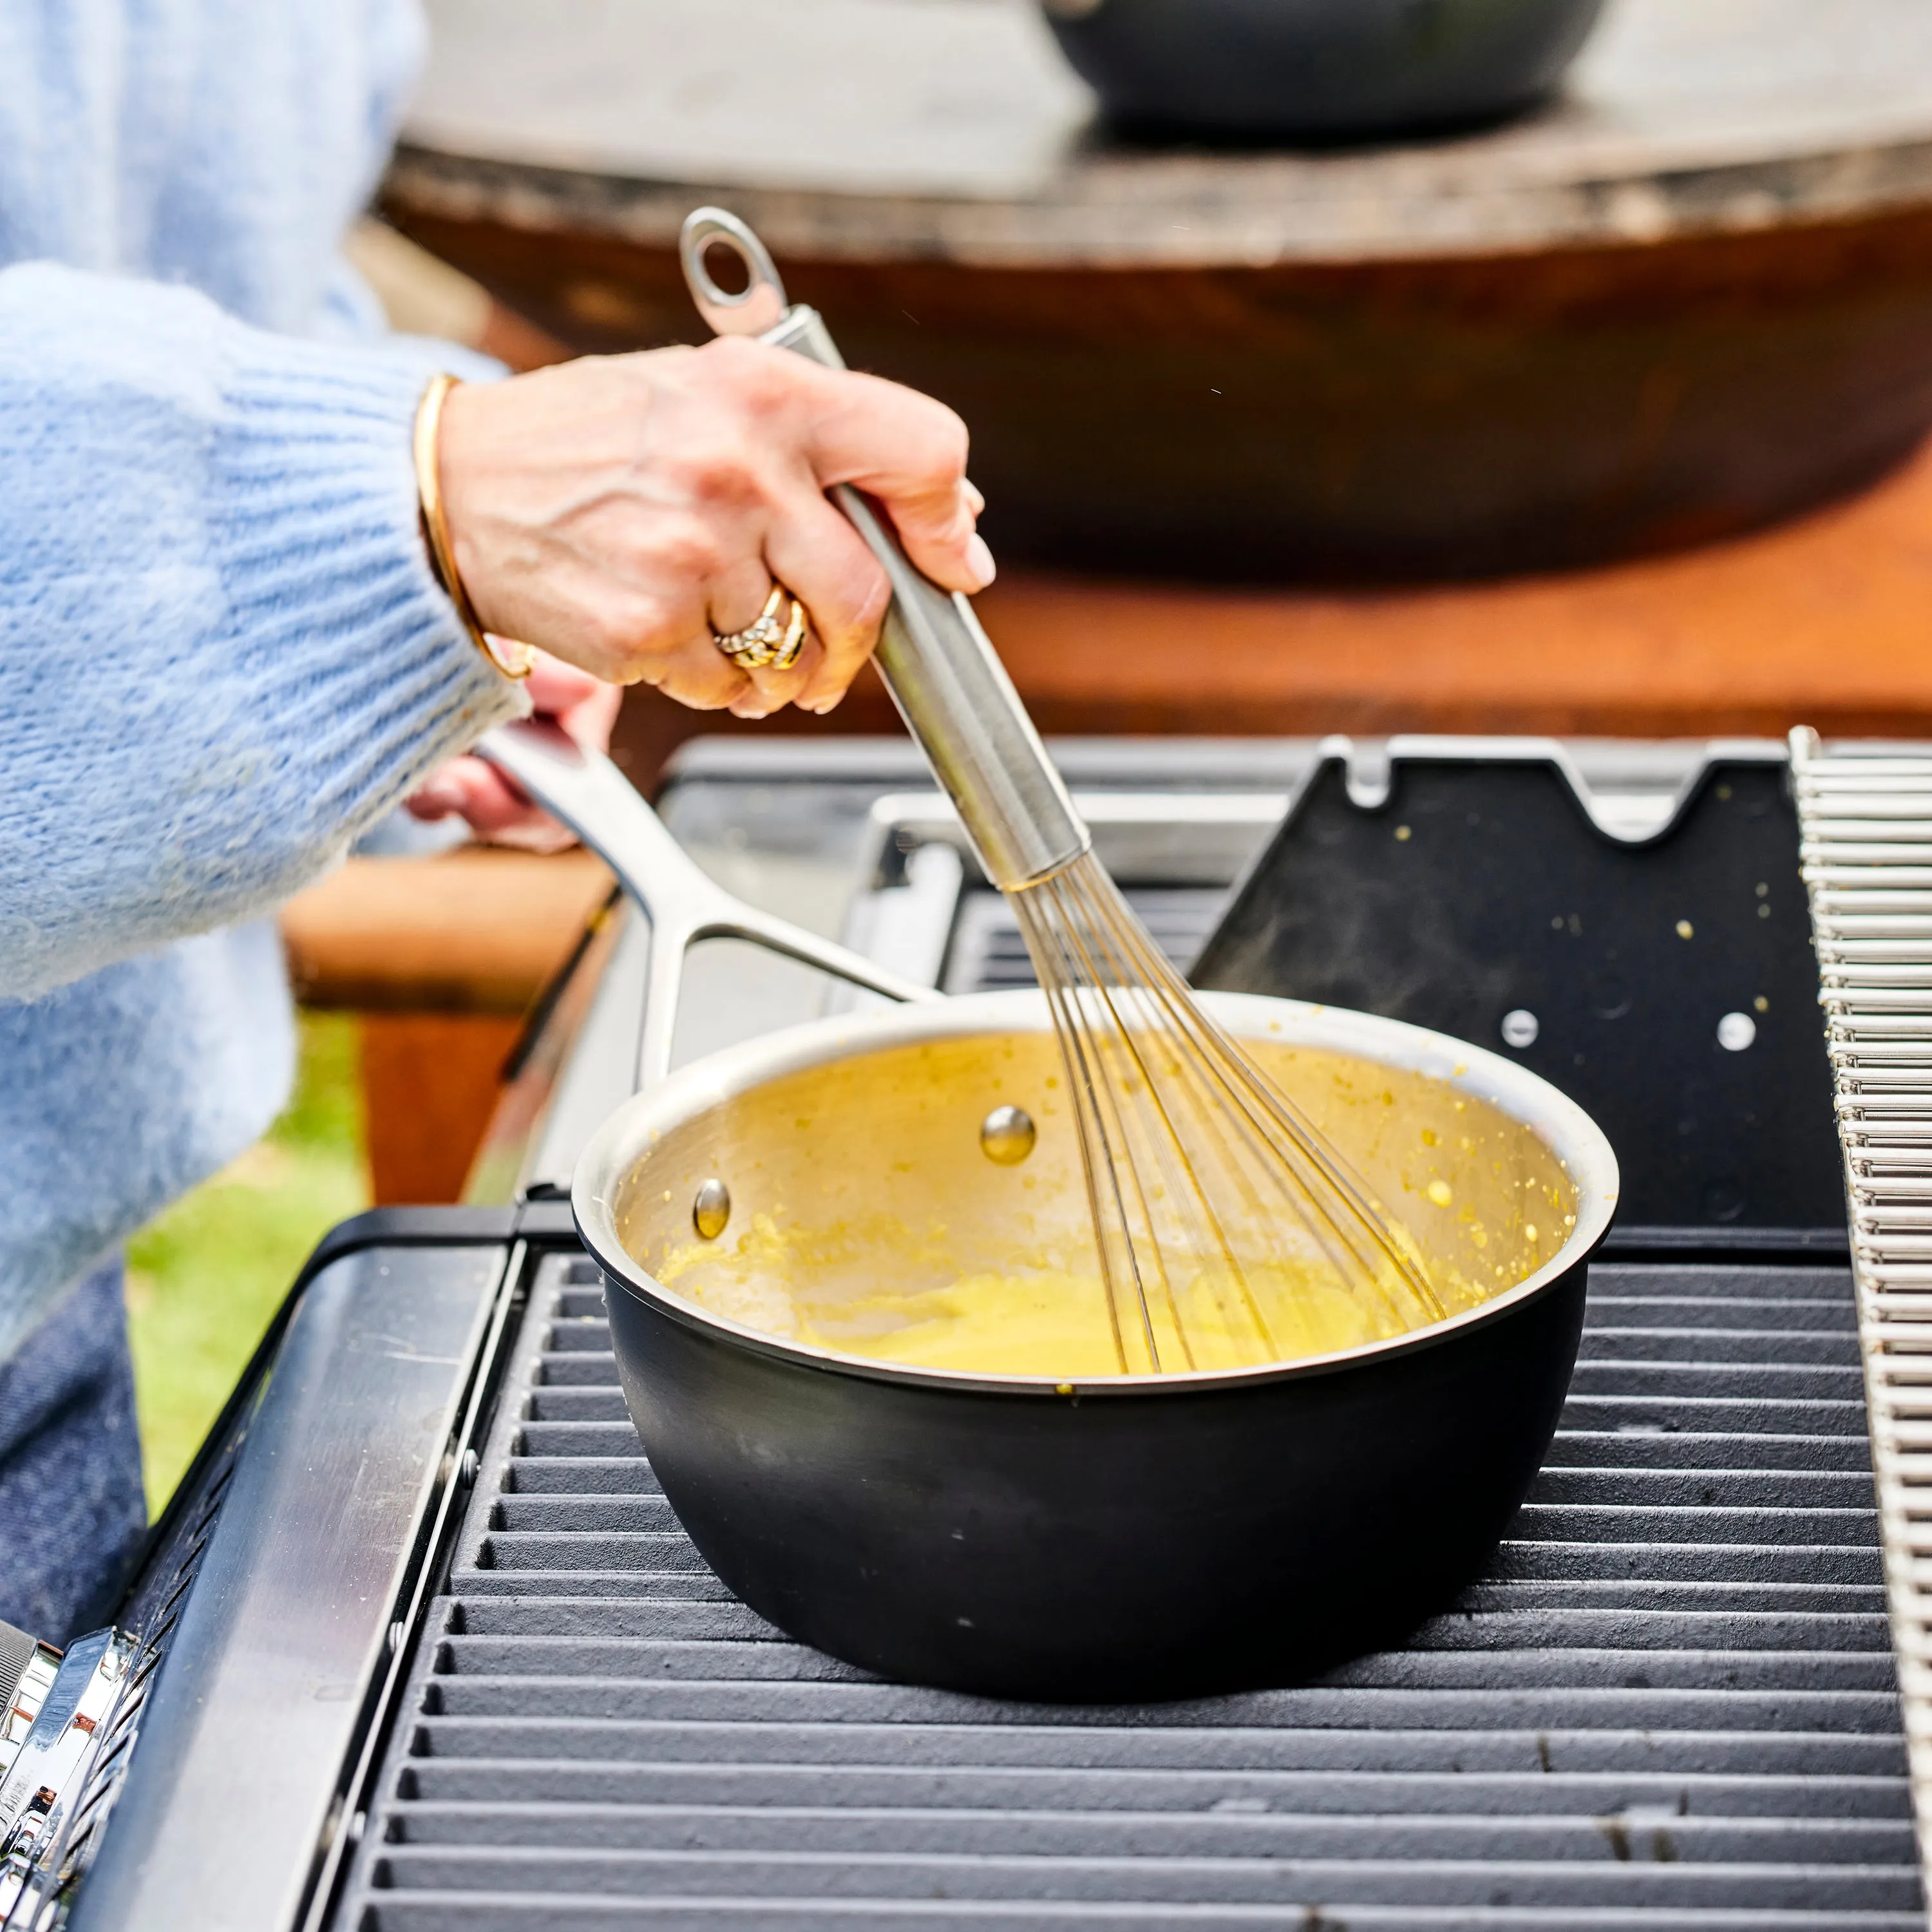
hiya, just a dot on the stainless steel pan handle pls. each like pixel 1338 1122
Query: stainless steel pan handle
pixel 683 903
pixel 941 669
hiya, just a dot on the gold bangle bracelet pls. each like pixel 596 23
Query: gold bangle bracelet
pixel 513 660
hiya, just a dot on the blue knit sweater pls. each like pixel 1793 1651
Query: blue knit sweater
pixel 222 654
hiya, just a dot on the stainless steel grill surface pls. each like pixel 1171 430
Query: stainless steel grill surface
pixel 1670 1705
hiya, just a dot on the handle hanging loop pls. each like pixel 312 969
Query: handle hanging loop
pixel 761 305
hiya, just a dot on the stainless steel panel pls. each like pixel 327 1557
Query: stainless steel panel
pixel 227 1802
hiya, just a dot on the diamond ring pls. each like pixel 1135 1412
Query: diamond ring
pixel 770 640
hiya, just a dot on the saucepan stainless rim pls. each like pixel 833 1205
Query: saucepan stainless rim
pixel 628 1135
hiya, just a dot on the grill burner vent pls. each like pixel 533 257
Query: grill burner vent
pixel 1670 1706
pixel 988 954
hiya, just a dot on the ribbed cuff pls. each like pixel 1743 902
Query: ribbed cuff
pixel 354 650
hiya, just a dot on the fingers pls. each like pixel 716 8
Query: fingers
pixel 615 510
pixel 590 720
pixel 939 536
pixel 743 596
pixel 738 595
pixel 814 550
pixel 494 809
pixel 585 706
pixel 909 452
pixel 773 689
pixel 697 673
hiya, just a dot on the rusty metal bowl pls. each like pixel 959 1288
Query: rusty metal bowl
pixel 1690 297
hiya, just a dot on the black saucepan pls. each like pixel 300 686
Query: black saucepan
pixel 1100 1539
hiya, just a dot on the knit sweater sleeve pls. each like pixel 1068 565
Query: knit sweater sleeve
pixel 222 652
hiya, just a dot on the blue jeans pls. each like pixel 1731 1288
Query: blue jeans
pixel 72 1512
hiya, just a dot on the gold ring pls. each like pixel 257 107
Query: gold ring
pixel 770 640
pixel 794 638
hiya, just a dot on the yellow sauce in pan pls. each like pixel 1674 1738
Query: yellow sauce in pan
pixel 865 1221
pixel 1041 1320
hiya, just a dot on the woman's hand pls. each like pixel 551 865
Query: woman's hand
pixel 618 510
pixel 494 808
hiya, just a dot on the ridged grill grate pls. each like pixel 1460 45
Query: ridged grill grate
pixel 1865 823
pixel 1670 1706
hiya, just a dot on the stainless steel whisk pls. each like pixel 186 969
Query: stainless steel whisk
pixel 1201 1174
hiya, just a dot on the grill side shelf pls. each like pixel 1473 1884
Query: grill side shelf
pixel 283 1638
pixel 1670 1705
pixel 1864 815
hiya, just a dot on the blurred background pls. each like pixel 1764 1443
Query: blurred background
pixel 1359 365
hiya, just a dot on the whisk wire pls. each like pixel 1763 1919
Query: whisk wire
pixel 1102 1168
pixel 1194 1160
pixel 1121 969
pixel 1113 1037
pixel 1089 1003
pixel 1256 1105
pixel 1125 980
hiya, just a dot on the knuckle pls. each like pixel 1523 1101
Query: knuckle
pixel 757 378
pixel 622 630
pixel 731 353
pixel 950 440
pixel 724 474
pixel 870 596
pixel 612 638
pixel 696 696
pixel 688 550
pixel 949 451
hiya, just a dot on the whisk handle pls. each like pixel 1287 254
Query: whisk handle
pixel 958 701
pixel 937 662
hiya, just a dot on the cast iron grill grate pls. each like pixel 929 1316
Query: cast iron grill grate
pixel 1671 1704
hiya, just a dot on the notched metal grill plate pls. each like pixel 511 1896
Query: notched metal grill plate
pixel 1669 1705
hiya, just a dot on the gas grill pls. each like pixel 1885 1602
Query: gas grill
pixel 420 1645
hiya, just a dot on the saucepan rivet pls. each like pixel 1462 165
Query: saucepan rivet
pixel 1520 1028
pixel 712 1209
pixel 1006 1135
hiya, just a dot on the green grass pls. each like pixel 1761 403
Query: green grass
pixel 204 1279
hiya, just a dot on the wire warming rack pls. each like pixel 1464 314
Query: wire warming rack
pixel 1864 816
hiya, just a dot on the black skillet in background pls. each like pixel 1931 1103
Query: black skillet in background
pixel 1322 69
